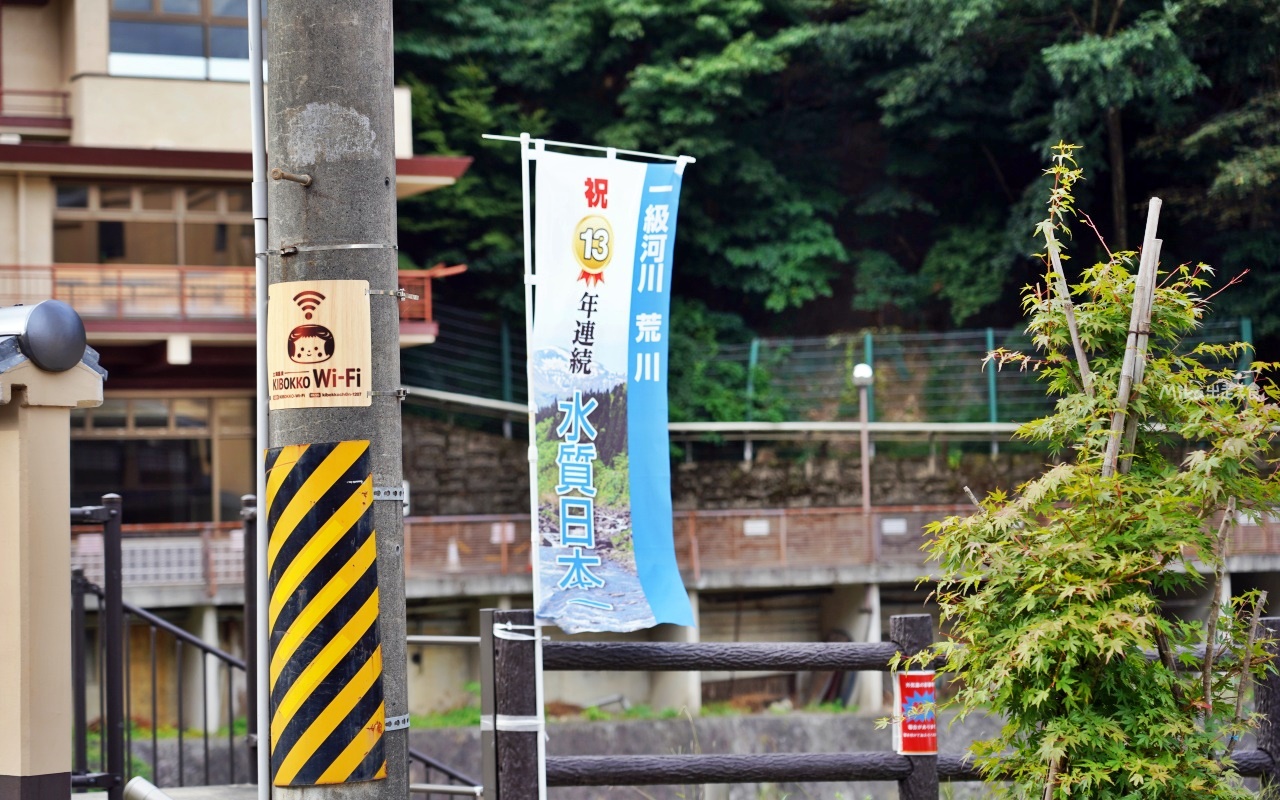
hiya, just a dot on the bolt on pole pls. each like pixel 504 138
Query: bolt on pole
pixel 332 226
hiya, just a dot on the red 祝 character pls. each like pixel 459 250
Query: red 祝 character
pixel 597 192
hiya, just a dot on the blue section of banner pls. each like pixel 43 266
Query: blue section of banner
pixel 649 452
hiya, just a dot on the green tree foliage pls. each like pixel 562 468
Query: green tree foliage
pixel 826 196
pixel 709 78
pixel 1053 594
pixel 712 387
pixel 1174 98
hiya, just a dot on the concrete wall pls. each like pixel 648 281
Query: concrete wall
pixel 459 748
pixel 456 470
pixel 833 479
pixel 762 733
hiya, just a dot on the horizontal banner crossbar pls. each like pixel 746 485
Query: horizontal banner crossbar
pixel 597 148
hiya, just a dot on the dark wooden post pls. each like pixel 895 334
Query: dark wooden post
pixel 1267 695
pixel 510 727
pixel 913 633
pixel 249 515
pixel 79 716
pixel 111 618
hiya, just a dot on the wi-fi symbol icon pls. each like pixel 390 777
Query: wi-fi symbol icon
pixel 308 301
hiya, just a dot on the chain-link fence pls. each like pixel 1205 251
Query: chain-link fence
pixel 919 377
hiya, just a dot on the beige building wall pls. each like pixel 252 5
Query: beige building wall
pixel 64 45
pixel 84 37
pixel 32 52
pixel 150 113
pixel 26 219
pixel 179 114
pixel 8 219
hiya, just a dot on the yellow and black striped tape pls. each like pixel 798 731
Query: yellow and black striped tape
pixel 327 713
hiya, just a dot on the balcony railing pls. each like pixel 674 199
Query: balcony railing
pixel 730 542
pixel 148 292
pixel 34 108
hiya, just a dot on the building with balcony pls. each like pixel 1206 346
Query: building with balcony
pixel 124 191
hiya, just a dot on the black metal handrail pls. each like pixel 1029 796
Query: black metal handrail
pixel 115 699
pixel 453 776
pixel 168 627
pixel 111 711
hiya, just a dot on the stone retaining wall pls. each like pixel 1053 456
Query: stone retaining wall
pixel 455 470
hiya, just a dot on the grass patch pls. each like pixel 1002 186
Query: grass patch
pixel 465 717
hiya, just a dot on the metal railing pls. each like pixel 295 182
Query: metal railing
pixel 134 650
pixel 457 783
pixel 162 292
pixel 472 356
pixel 111 714
pixel 35 105
pixel 205 554
pixel 208 556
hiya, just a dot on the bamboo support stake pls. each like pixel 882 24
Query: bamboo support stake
pixel 1060 275
pixel 1144 336
pixel 1052 778
pixel 1136 322
pixel 1215 605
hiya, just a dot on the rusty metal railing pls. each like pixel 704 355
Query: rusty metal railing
pixel 160 292
pixel 211 554
pixel 32 105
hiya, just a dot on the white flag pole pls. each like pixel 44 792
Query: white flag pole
pixel 526 155
pixel 535 551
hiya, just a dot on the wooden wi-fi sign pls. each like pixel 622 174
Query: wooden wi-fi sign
pixel 319 353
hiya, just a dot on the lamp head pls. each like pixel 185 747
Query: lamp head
pixel 863 375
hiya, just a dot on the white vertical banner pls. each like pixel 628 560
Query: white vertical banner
pixel 604 231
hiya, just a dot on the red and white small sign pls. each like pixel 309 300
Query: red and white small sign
pixel 915 719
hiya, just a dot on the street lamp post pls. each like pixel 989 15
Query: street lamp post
pixel 863 377
pixel 870 686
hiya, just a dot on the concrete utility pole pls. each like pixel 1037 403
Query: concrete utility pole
pixel 330 121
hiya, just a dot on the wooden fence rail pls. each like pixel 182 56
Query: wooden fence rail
pixel 512 727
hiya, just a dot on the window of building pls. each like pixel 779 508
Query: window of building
pixel 172 459
pixel 194 39
pixel 120 223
